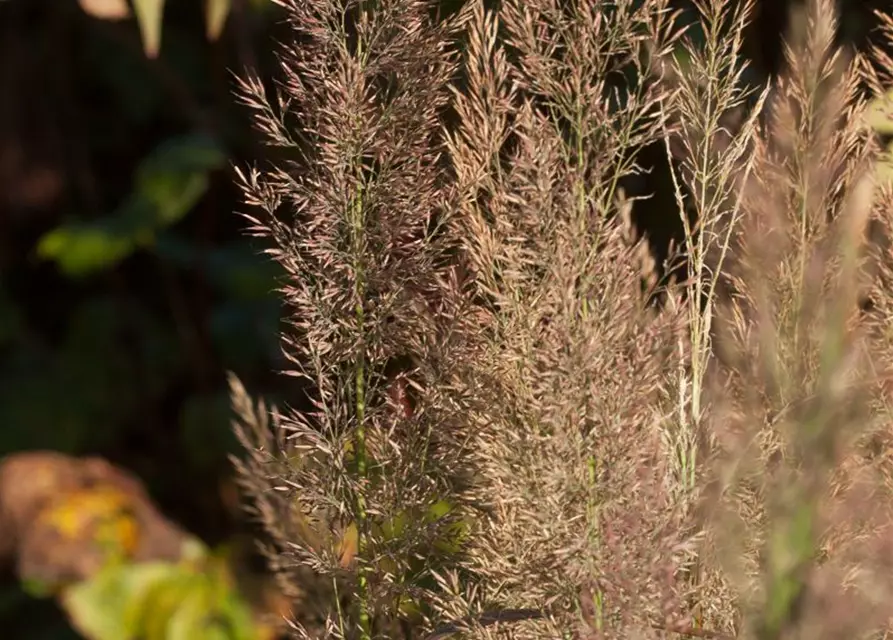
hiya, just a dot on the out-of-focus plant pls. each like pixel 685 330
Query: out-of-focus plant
pixel 150 13
pixel 194 599
pixel 146 292
pixel 168 184
pixel 85 532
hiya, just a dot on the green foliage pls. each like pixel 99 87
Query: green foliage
pixel 89 377
pixel 192 600
pixel 116 340
pixel 167 185
pixel 110 357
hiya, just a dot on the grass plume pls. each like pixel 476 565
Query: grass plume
pixel 507 436
pixel 374 475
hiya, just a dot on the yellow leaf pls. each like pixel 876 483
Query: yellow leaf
pixel 148 15
pixel 102 514
pixel 216 12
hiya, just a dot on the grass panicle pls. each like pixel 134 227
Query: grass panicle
pixel 506 434
pixel 373 477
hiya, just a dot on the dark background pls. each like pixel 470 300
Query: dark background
pixel 117 325
pixel 111 344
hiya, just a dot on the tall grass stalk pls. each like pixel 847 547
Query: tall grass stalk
pixel 797 368
pixel 549 126
pixel 529 435
pixel 714 138
pixel 369 485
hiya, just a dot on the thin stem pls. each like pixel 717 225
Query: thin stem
pixel 358 219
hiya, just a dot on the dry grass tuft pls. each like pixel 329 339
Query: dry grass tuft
pixel 553 443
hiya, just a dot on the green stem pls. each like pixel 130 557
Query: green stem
pixel 359 224
pixel 358 219
pixel 790 554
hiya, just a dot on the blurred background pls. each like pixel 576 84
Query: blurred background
pixel 127 290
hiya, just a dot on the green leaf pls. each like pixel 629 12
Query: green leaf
pixel 194 551
pixel 211 611
pixel 216 12
pixel 438 510
pixel 147 580
pixel 161 604
pixel 186 621
pixel 455 534
pixel 175 176
pixel 394 528
pixel 174 195
pixel 83 248
pixel 149 14
pixel 108 606
pixel 36 588
pixel 190 600
pixel 169 183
